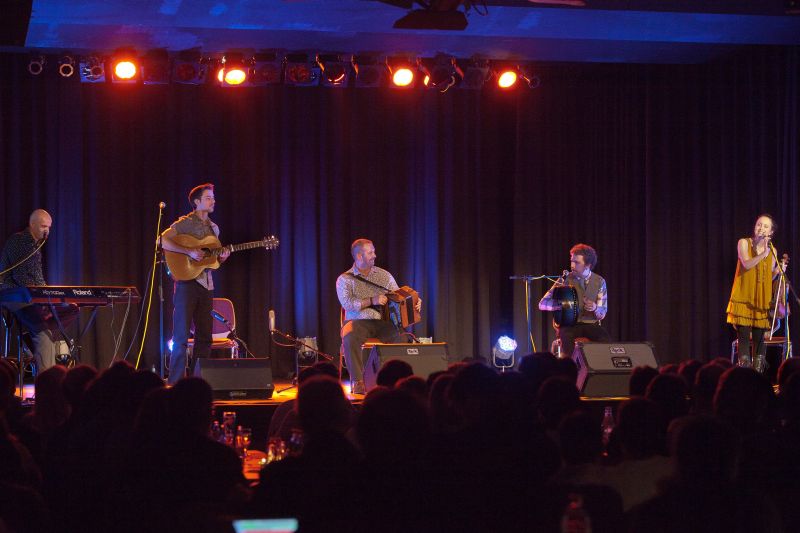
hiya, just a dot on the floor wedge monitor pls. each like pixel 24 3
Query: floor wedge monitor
pixel 425 359
pixel 604 368
pixel 237 379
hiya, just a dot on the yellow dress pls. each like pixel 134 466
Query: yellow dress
pixel 751 294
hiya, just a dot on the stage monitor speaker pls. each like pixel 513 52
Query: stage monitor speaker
pixel 425 359
pixel 237 379
pixel 604 368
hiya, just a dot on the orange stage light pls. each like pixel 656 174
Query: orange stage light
pixel 403 77
pixel 507 79
pixel 125 70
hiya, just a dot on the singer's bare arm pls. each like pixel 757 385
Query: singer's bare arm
pixel 746 259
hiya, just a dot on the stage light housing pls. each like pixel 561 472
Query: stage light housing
pixel 503 352
pixel 335 71
pixel 155 67
pixel 403 71
pixel 267 68
pixel 441 72
pixel 189 68
pixel 36 64
pixel 300 71
pixel 476 72
pixel 125 67
pixel 233 70
pixel 370 70
pixel 66 66
pixel 92 69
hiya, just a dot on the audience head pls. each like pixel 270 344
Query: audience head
pixel 537 367
pixel 669 368
pixel 641 376
pixel 789 367
pixel 568 369
pixel 321 368
pixel 790 394
pixel 414 385
pixel 51 408
pixel 442 415
pixel 742 398
pixel 688 370
pixel 580 438
pixel 322 406
pixel 557 397
pixel 724 362
pixel 393 371
pixel 669 392
pixel 392 427
pixel 76 382
pixel 638 430
pixel 474 394
pixel 190 403
pixel 706 449
pixel 705 385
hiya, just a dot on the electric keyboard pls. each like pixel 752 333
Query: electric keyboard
pixel 64 294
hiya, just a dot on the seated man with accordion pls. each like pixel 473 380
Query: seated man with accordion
pixel 364 292
pixel 579 299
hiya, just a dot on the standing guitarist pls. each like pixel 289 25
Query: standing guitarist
pixel 193 299
pixel 361 292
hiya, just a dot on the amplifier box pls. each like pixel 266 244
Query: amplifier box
pixel 237 379
pixel 604 368
pixel 425 359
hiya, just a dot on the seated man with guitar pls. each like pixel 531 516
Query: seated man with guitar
pixel 589 297
pixel 193 298
pixel 362 291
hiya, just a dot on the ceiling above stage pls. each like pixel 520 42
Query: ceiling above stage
pixel 600 31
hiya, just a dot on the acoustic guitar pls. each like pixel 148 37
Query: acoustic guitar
pixel 184 268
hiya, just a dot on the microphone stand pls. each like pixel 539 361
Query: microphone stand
pixel 787 353
pixel 295 344
pixel 162 353
pixel 527 278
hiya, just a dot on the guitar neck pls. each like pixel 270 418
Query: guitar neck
pixel 238 247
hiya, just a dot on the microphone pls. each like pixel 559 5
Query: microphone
pixel 271 320
pixel 161 205
pixel 565 273
pixel 218 316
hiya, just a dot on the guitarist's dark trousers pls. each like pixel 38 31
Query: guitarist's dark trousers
pixel 356 332
pixel 193 303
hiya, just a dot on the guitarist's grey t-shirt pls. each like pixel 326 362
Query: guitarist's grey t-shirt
pixel 192 225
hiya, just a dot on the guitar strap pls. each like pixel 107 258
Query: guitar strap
pixel 368 282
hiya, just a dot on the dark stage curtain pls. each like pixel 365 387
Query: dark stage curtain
pixel 660 167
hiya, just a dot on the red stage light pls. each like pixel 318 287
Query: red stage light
pixel 125 70
pixel 507 79
pixel 403 77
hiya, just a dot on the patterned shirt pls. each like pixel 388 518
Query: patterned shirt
pixel 28 273
pixel 193 225
pixel 352 291
pixel 548 303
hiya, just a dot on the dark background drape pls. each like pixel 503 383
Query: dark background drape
pixel 660 167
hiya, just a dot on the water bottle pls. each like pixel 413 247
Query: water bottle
pixel 607 425
pixel 575 519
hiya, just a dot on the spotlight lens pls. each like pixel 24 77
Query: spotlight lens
pixel 507 344
pixel 403 77
pixel 507 79
pixel 235 76
pixel 125 70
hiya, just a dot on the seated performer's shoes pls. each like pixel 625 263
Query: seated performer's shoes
pixel 358 388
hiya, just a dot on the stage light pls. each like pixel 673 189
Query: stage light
pixel 92 70
pixel 507 79
pixel 233 70
pixel 441 72
pixel 66 66
pixel 155 67
pixel 476 72
pixel 370 71
pixel 267 68
pixel 300 71
pixel 36 64
pixel 124 66
pixel 189 68
pixel 402 71
pixel 335 72
pixel 503 352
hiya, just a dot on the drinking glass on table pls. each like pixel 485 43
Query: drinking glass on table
pixel 243 438
pixel 229 426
